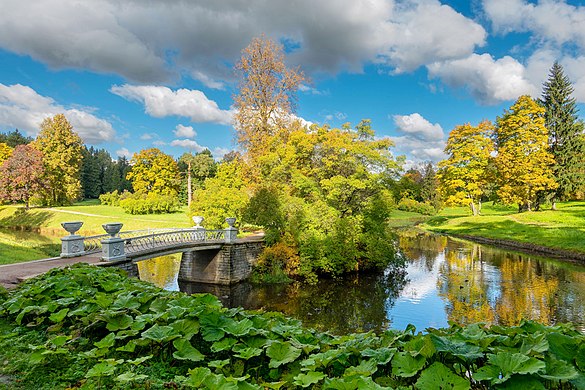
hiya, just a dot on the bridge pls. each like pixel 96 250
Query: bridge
pixel 208 256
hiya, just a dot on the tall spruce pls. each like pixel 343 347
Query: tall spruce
pixel 566 139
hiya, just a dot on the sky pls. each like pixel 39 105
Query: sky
pixel 136 74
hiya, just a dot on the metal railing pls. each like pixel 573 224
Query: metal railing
pixel 139 240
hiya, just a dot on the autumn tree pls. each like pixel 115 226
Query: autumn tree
pixel 222 196
pixel 21 175
pixel 62 156
pixel 154 172
pixel 566 139
pixel 266 97
pixel 523 161
pixel 464 175
pixel 5 152
pixel 195 167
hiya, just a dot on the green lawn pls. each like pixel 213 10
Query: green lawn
pixel 42 227
pixel 562 229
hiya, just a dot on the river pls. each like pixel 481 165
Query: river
pixel 444 280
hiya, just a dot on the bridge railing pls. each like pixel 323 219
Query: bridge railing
pixel 116 244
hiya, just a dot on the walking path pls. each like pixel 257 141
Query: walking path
pixel 12 274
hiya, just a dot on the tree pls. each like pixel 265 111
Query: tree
pixel 14 138
pixel 154 171
pixel 266 98
pixel 523 161
pixel 62 157
pixel 21 176
pixel 464 175
pixel 222 196
pixel 198 167
pixel 566 140
pixel 5 152
pixel 429 190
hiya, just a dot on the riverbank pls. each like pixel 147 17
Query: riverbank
pixel 559 233
pixel 36 233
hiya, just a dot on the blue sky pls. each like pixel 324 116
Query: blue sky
pixel 153 73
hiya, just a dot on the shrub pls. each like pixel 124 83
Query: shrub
pixel 407 204
pixel 110 198
pixel 149 204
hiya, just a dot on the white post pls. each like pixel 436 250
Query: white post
pixel 113 246
pixel 72 245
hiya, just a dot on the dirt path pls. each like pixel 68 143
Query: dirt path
pixel 12 274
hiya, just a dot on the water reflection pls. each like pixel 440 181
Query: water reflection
pixel 444 280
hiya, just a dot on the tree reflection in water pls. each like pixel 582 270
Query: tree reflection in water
pixel 445 280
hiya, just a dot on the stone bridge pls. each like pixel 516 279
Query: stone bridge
pixel 208 256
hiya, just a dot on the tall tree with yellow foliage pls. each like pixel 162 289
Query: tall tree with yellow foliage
pixel 523 161
pixel 266 98
pixel 464 175
pixel 62 148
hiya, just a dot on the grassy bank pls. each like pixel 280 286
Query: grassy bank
pixel 35 234
pixel 100 329
pixel 561 229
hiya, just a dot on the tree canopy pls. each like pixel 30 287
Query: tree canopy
pixel 154 172
pixel 62 155
pixel 21 175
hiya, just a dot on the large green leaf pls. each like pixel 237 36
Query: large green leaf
pixel 505 364
pixel 461 350
pixel 185 351
pixel 562 346
pixel 380 355
pixel 225 344
pixel 197 376
pixel 107 341
pixel 187 327
pixel 118 321
pixel 126 301
pixel 281 353
pixel 521 382
pixel 365 368
pixel 438 376
pixel 558 370
pixel 405 365
pixel 160 333
pixel 239 328
pixel 245 352
pixel 59 316
pixel 103 368
pixel 308 379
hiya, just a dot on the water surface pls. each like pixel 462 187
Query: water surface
pixel 444 280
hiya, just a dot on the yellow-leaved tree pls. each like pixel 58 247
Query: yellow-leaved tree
pixel 154 172
pixel 464 175
pixel 5 152
pixel 62 148
pixel 523 160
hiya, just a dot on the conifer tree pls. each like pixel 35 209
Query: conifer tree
pixel 566 140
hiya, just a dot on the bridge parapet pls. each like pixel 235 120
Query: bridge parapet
pixel 116 245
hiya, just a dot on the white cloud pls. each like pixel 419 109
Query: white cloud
pixel 422 32
pixel 23 108
pixel 157 41
pixel 552 21
pixel 488 80
pixel 184 131
pixel 123 152
pixel 162 101
pixel 148 136
pixel 159 143
pixel 188 144
pixel 418 127
pixel 420 140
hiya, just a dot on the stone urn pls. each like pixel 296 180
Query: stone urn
pixel 231 221
pixel 198 219
pixel 72 227
pixel 112 228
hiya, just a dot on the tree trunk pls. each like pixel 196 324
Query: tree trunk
pixel 189 193
pixel 473 208
pixel 479 207
pixel 554 205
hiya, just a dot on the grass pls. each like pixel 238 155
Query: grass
pixel 35 234
pixel 560 229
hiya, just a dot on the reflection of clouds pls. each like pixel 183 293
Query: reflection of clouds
pixel 423 282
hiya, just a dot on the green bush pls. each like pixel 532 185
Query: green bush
pixel 101 329
pixel 407 204
pixel 149 204
pixel 110 198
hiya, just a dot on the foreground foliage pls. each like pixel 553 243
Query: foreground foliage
pixel 87 327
